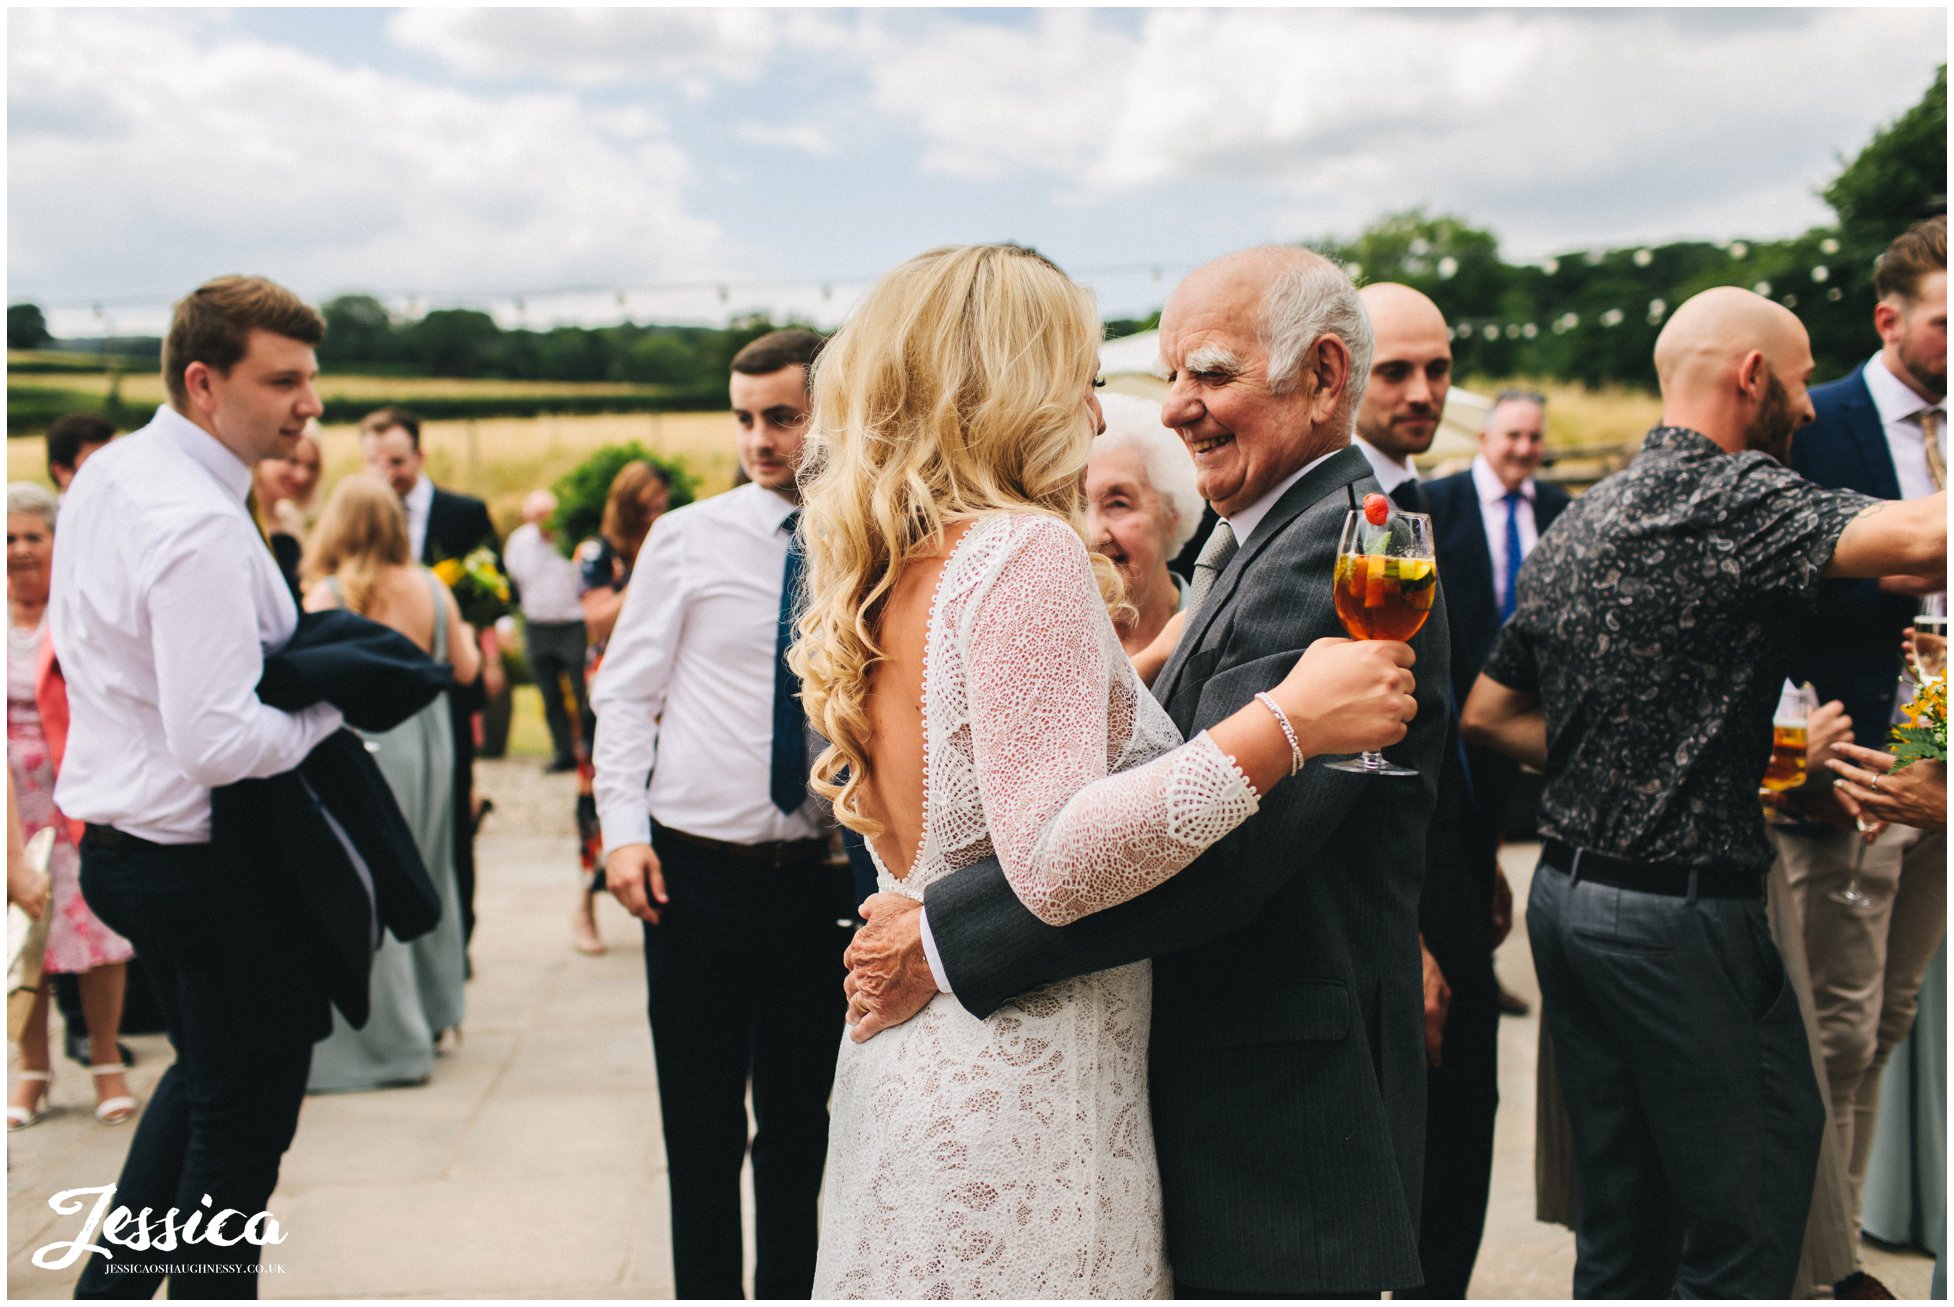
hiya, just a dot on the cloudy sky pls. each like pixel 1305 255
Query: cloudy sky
pixel 682 164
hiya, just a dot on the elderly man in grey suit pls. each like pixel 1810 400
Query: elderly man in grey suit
pixel 1288 1062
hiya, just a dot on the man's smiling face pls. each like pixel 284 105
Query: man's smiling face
pixel 1244 437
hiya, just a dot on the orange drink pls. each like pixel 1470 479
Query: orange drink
pixel 1384 598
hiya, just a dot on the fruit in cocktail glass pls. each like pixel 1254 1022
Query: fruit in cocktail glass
pixel 1384 585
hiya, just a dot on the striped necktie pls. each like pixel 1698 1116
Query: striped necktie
pixel 1214 557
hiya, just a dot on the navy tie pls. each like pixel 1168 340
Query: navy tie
pixel 788 782
pixel 1511 599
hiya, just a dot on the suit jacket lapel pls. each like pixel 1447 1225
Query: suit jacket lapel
pixel 1868 435
pixel 1479 556
pixel 1341 468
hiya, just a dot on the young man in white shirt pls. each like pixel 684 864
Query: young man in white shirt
pixel 165 600
pixel 719 850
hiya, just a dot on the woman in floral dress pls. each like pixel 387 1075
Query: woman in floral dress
pixel 77 943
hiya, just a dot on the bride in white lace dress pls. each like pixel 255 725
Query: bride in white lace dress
pixel 958 651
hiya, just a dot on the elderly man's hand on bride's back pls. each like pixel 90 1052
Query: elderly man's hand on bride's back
pixel 889 977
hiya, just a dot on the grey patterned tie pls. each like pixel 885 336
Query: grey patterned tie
pixel 1214 556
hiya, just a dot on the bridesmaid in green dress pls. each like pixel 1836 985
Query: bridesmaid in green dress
pixel 358 558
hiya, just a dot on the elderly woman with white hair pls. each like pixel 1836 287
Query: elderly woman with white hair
pixel 1141 510
pixel 78 943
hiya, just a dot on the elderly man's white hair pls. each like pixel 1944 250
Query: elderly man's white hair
pixel 32 498
pixel 1309 297
pixel 1133 424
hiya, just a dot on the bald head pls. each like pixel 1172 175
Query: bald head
pixel 1733 365
pixel 1411 371
pixel 537 506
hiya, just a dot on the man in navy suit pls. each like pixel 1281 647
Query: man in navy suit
pixel 1880 431
pixel 1487 519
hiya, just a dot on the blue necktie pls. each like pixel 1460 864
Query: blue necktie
pixel 1511 599
pixel 788 782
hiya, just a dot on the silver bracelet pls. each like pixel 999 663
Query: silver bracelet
pixel 1288 732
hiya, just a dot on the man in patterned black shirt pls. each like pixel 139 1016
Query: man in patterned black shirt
pixel 1640 673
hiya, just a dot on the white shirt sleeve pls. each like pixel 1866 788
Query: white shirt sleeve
pixel 931 954
pixel 204 631
pixel 629 693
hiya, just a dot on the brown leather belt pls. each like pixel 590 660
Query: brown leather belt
pixel 778 853
pixel 1724 882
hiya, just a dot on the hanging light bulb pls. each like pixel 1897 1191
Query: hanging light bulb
pixel 1821 274
pixel 1828 246
pixel 1763 288
pixel 1643 258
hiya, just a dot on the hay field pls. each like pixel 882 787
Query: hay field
pixel 146 387
pixel 502 459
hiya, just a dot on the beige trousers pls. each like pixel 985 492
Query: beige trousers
pixel 1866 966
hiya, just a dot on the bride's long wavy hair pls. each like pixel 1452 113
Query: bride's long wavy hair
pixel 956 388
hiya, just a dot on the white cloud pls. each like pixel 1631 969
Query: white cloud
pixel 1548 125
pixel 143 161
pixel 802 136
pixel 690 48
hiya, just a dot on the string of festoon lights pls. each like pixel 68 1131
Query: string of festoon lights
pixel 1654 313
pixel 520 306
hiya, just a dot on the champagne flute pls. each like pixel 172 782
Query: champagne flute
pixel 1852 896
pixel 1929 654
pixel 1385 583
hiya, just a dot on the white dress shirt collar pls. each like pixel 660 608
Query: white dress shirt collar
pixel 205 450
pixel 1899 409
pixel 1244 522
pixel 1389 473
pixel 1895 400
pixel 418 502
pixel 1491 489
pixel 421 497
pixel 772 507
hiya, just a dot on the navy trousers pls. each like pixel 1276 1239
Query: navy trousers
pixel 744 977
pixel 223 1114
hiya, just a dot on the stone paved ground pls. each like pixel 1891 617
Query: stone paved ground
pixel 531 1165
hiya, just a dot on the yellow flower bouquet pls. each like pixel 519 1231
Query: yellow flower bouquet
pixel 1923 738
pixel 478 585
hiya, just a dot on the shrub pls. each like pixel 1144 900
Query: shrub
pixel 581 491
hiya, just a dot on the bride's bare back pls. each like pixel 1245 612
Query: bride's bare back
pixel 894 788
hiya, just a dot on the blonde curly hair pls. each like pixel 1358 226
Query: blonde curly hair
pixel 956 389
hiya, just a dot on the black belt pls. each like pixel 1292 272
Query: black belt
pixel 1655 877
pixel 108 837
pixel 779 853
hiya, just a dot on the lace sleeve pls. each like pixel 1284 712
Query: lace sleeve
pixel 1039 667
